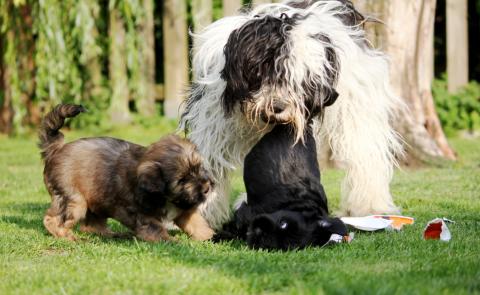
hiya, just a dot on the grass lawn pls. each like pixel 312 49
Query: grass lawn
pixel 32 262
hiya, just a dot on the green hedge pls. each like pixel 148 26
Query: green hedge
pixel 460 110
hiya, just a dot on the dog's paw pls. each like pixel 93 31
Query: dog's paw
pixel 203 234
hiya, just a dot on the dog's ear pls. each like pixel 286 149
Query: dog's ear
pixel 330 97
pixel 332 226
pixel 150 178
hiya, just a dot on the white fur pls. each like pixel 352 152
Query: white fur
pixel 356 126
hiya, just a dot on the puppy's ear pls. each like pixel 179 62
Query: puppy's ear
pixel 150 178
pixel 330 98
pixel 332 226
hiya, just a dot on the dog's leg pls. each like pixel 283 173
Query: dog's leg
pixel 147 228
pixel 151 230
pixel 363 142
pixel 60 219
pixel 96 225
pixel 52 217
pixel 194 225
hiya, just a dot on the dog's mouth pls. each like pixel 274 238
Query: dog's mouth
pixel 275 111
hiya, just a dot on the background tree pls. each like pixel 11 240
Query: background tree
pixel 89 31
pixel 175 44
pixel 6 38
pixel 457 44
pixel 119 111
pixel 407 38
pixel 230 7
pixel 257 2
pixel 202 13
pixel 146 85
pixel 18 82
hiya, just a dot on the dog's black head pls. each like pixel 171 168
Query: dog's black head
pixel 287 229
pixel 250 56
pixel 262 76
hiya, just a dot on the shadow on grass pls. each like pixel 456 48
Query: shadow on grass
pixel 20 221
pixel 237 260
pixel 27 215
pixel 36 208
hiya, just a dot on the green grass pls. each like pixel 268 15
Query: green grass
pixel 32 262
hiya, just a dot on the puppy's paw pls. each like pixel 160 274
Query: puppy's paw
pixel 203 234
pixel 71 237
pixel 153 232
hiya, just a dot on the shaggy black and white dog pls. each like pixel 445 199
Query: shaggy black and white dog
pixel 280 64
pixel 286 205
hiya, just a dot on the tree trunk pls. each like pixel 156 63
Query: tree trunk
pixel 27 65
pixel 146 91
pixel 407 38
pixel 231 7
pixel 119 112
pixel 6 109
pixel 18 68
pixel 457 44
pixel 175 55
pixel 93 89
pixel 202 13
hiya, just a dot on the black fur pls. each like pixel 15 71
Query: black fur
pixel 352 18
pixel 286 205
pixel 250 55
pixel 254 58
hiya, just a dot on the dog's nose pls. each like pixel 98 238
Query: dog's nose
pixel 279 107
pixel 278 113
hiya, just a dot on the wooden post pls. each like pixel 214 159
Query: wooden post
pixel 6 106
pixel 231 7
pixel 258 2
pixel 201 13
pixel 457 44
pixel 119 112
pixel 175 55
pixel 146 99
pixel 94 88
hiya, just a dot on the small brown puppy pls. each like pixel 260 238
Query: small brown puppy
pixel 92 179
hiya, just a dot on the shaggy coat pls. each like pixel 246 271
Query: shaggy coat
pixel 286 205
pixel 92 179
pixel 281 64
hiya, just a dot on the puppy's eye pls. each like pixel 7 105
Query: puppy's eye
pixel 283 225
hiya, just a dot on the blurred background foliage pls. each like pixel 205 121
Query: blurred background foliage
pixel 98 53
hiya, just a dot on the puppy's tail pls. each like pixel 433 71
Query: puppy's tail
pixel 51 139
